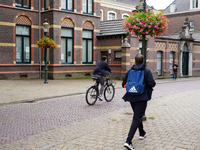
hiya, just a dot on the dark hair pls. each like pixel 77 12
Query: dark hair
pixel 103 58
pixel 139 58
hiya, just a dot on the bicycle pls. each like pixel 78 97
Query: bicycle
pixel 93 92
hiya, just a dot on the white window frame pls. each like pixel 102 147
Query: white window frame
pixel 101 19
pixel 191 29
pixel 111 12
pixel 125 14
pixel 191 4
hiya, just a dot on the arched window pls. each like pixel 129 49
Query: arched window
pixel 111 15
pixel 101 15
pixel 87 43
pixel 124 16
pixel 23 40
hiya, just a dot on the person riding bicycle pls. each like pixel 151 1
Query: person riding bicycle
pixel 102 69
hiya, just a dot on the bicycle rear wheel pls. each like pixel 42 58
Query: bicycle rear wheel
pixel 91 95
pixel 109 93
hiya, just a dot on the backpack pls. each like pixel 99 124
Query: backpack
pixel 135 83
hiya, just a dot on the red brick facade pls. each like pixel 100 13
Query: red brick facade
pixel 10 16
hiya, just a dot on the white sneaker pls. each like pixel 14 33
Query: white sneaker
pixel 100 97
pixel 129 146
pixel 142 137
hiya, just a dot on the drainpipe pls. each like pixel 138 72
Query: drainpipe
pixel 40 35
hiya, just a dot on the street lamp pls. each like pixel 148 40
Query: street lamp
pixel 46 34
pixel 143 51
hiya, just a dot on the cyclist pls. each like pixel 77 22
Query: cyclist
pixel 102 69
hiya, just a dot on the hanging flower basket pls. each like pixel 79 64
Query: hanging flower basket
pixel 146 23
pixel 46 43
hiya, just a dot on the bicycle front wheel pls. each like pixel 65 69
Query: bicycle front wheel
pixel 109 93
pixel 91 95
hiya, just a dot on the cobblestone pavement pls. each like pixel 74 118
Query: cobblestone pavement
pixel 68 123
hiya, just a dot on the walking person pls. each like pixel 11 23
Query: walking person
pixel 138 102
pixel 102 69
pixel 175 68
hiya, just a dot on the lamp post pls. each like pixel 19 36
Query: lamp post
pixel 46 34
pixel 143 52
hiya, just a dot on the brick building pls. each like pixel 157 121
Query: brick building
pixel 82 39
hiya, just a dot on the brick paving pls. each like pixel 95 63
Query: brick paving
pixel 67 122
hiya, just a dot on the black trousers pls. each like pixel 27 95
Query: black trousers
pixel 175 74
pixel 138 110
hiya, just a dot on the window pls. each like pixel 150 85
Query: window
pixel 101 15
pixel 22 3
pixel 159 63
pixel 67 52
pixel 87 47
pixel 67 5
pixel 191 26
pixel 111 16
pixel 23 45
pixel 140 47
pixel 46 4
pixel 88 6
pixel 194 3
pixel 124 16
pixel 171 61
pixel 118 55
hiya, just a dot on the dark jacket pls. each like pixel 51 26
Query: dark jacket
pixel 148 80
pixel 102 68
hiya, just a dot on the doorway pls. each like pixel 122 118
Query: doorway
pixel 185 60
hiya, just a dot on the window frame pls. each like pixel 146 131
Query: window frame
pixel 67 5
pixel 113 12
pixel 23 4
pixel 125 14
pixel 115 55
pixel 19 35
pixel 92 39
pixel 67 37
pixel 101 15
pixel 161 60
pixel 46 4
pixel 87 6
pixel 191 29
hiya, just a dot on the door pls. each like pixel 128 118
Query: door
pixel 104 54
pixel 185 63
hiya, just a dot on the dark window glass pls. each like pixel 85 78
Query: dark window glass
pixel 23 44
pixel 67 46
pixel 67 5
pixel 87 47
pixel 88 6
pixel 22 3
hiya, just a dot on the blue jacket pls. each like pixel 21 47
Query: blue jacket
pixel 102 68
pixel 148 80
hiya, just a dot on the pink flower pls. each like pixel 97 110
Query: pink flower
pixel 141 30
pixel 149 27
pixel 147 32
pixel 147 10
pixel 137 19
pixel 153 31
pixel 147 20
pixel 151 23
pixel 145 25
pixel 140 23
